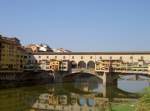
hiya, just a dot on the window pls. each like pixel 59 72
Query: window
pixel 29 61
pixel 40 61
pixel 100 57
pixel 47 57
pixel 39 56
pixel 131 57
pixel 72 57
pixel 55 57
pixel 64 57
pixel 25 57
pixel 142 58
pixel 91 57
pixel 120 57
pixel 110 58
pixel 81 57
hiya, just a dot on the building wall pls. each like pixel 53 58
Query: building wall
pixel 12 55
pixel 86 58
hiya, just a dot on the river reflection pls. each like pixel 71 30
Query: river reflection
pixel 82 94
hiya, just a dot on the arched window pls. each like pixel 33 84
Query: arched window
pixel 131 59
pixel 110 57
pixel 142 58
pixel 73 64
pixel 120 57
pixel 100 58
pixel 72 57
pixel 91 65
pixel 81 64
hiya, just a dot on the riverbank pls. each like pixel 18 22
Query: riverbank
pixel 123 106
pixel 19 79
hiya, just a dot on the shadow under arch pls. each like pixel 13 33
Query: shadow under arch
pixel 71 79
pixel 73 64
pixel 72 76
pixel 91 65
pixel 81 64
pixel 119 93
pixel 131 76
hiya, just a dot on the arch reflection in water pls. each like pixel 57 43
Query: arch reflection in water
pixel 91 84
pixel 73 102
pixel 66 96
pixel 87 84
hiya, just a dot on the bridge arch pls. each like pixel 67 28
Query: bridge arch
pixel 91 65
pixel 73 75
pixel 81 64
pixel 74 64
pixel 125 94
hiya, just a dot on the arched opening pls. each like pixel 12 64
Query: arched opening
pixel 73 64
pixel 81 64
pixel 91 65
pixel 82 82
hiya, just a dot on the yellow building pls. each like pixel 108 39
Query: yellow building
pixel 54 65
pixel 12 54
pixel 47 65
pixel 104 64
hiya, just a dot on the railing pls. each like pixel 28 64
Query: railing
pixel 83 70
pixel 143 70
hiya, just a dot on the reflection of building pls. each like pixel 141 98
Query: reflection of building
pixel 73 102
pixel 12 54
pixel 86 84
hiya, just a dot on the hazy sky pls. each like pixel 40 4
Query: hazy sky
pixel 79 25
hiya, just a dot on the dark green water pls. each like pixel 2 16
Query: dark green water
pixel 84 90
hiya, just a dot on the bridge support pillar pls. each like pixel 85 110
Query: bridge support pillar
pixel 109 80
pixel 136 77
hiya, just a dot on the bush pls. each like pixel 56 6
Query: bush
pixel 144 102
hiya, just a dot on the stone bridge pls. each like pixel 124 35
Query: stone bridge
pixel 106 77
pixel 88 60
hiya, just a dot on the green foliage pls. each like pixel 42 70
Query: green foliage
pixel 123 107
pixel 144 102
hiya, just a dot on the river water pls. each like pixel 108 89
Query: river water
pixel 82 94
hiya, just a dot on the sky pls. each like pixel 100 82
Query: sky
pixel 79 25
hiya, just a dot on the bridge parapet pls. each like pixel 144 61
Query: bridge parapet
pixel 130 70
pixel 83 70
